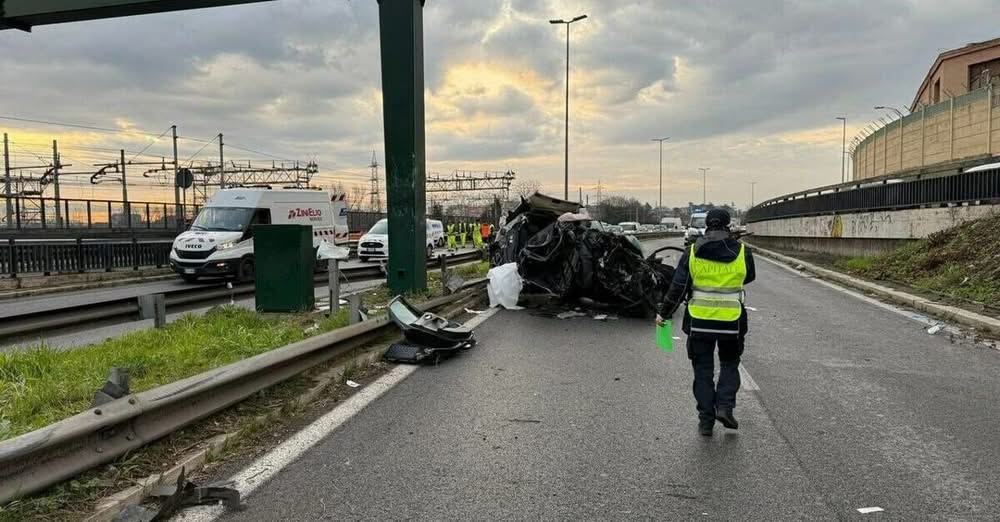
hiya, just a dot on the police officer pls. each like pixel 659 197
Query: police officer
pixel 710 277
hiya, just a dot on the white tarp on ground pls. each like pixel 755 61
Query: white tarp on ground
pixel 504 286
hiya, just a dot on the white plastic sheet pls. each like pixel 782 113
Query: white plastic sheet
pixel 328 250
pixel 504 286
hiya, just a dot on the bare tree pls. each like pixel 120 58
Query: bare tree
pixel 358 197
pixel 525 187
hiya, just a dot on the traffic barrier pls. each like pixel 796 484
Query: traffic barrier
pixel 36 460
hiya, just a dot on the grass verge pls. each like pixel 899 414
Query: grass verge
pixel 962 262
pixel 43 385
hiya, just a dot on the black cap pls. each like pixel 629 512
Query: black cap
pixel 717 218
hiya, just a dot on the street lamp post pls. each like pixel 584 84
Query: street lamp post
pixel 566 162
pixel 889 108
pixel 704 184
pixel 843 151
pixel 661 140
pixel 751 183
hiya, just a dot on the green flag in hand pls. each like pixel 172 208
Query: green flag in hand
pixel 665 336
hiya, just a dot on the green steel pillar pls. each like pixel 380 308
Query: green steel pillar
pixel 402 39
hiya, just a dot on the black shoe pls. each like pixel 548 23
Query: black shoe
pixel 725 416
pixel 705 428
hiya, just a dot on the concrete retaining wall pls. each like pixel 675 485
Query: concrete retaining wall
pixel 863 233
pixel 850 247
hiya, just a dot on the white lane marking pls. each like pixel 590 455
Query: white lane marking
pixel 269 465
pixel 481 318
pixel 923 319
pixel 747 382
pixel 865 511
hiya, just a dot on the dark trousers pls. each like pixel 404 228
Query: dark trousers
pixel 701 351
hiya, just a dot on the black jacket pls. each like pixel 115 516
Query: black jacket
pixel 715 246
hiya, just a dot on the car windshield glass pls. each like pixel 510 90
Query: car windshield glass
pixel 382 227
pixel 698 222
pixel 223 219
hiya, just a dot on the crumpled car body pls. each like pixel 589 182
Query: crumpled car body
pixel 572 260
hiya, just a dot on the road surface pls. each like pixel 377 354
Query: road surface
pixel 846 405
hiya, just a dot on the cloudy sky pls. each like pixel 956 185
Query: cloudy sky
pixel 747 88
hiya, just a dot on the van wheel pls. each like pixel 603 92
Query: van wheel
pixel 245 273
pixel 189 278
pixel 430 251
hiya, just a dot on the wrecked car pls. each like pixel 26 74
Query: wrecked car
pixel 560 253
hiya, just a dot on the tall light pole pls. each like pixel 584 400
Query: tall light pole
pixel 704 184
pixel 566 162
pixel 843 151
pixel 751 183
pixel 661 140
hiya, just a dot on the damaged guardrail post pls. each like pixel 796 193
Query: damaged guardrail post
pixel 443 263
pixel 355 311
pixel 153 307
pixel 333 269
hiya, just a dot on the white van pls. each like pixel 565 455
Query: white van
pixel 375 243
pixel 696 227
pixel 671 223
pixel 220 240
pixel 435 232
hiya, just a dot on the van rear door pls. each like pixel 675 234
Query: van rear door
pixel 339 204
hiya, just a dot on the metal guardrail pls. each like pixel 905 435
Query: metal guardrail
pixel 36 460
pixel 886 193
pixel 30 323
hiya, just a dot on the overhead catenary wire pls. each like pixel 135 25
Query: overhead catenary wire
pixel 150 144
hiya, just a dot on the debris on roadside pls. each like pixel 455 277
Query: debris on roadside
pixel 427 335
pixel 352 384
pixel 453 282
pixel 115 387
pixel 182 495
pixel 935 329
pixel 473 312
pixel 569 314
pixel 601 317
pixel 504 286
pixel 559 251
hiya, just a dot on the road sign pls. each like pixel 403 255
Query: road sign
pixel 184 178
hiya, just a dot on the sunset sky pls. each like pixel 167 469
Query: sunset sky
pixel 749 89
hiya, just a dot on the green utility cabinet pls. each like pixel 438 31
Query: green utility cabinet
pixel 284 261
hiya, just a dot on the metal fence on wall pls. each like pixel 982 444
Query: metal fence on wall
pixel 20 257
pixel 33 213
pixel 908 192
pixel 965 126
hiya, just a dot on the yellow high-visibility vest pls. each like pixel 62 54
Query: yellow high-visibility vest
pixel 717 292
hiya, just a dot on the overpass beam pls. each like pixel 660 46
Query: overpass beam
pixel 401 36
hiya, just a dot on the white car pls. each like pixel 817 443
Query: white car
pixel 220 240
pixel 375 243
